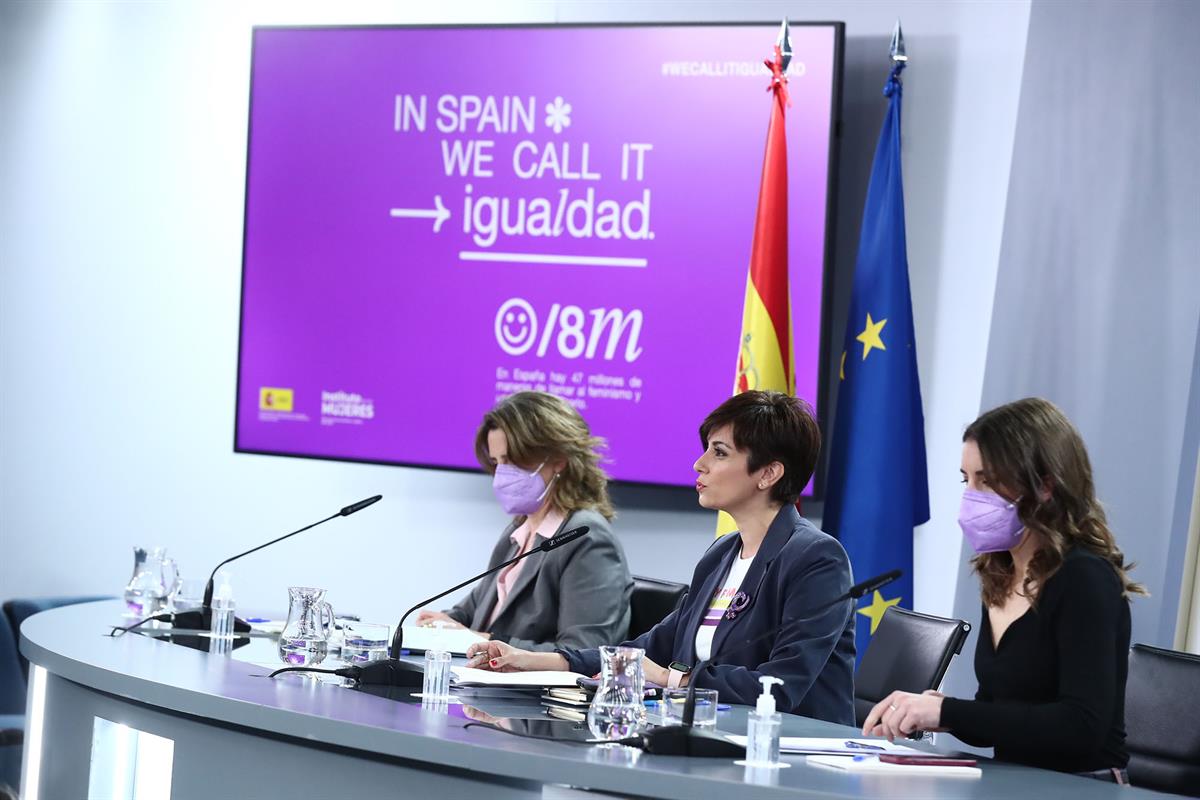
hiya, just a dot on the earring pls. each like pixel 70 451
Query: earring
pixel 762 486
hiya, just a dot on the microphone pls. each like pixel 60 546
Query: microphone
pixel 393 672
pixel 685 740
pixel 201 619
pixel 545 547
pixel 869 585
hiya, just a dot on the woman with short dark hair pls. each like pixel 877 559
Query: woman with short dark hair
pixel 1053 645
pixel 762 599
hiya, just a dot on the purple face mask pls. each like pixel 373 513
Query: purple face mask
pixel 989 522
pixel 518 491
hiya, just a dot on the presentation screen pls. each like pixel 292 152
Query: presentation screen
pixel 439 217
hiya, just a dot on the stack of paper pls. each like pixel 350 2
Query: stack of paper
pixel 469 676
pixel 567 703
pixel 452 640
pixel 805 745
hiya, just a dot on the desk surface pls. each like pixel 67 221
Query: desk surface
pixel 70 642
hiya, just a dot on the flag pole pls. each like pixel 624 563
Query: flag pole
pixel 765 359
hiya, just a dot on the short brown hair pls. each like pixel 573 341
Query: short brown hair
pixel 543 427
pixel 1031 450
pixel 771 426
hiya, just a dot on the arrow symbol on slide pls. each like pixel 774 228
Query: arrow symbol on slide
pixel 438 215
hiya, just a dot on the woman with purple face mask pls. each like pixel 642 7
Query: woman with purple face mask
pixel 546 476
pixel 1054 637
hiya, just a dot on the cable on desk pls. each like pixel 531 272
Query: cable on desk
pixel 128 628
pixel 340 672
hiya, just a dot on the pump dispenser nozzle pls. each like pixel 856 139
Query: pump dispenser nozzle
pixel 766 701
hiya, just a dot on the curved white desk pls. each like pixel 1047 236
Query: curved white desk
pixel 236 734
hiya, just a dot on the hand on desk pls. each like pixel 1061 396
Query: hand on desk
pixel 500 657
pixel 657 674
pixel 902 713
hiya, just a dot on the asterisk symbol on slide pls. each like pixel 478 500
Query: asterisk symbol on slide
pixel 558 115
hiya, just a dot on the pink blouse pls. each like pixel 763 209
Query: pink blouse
pixel 523 538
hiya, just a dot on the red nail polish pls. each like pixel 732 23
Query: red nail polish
pixel 494 662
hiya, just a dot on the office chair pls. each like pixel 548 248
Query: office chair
pixel 20 609
pixel 652 600
pixel 12 707
pixel 908 651
pixel 1162 719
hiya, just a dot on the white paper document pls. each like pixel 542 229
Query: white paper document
pixel 805 745
pixel 452 640
pixel 469 676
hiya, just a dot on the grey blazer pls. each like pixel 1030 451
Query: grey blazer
pixel 574 596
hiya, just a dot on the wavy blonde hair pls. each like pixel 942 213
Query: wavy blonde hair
pixel 544 427
pixel 1032 452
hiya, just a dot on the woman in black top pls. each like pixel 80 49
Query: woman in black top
pixel 1053 645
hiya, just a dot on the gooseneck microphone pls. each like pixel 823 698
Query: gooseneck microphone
pixel 685 740
pixel 201 619
pixel 869 585
pixel 545 547
pixel 394 672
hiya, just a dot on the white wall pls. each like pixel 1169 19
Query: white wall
pixel 122 139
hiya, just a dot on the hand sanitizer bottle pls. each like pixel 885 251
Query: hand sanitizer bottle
pixel 221 627
pixel 762 730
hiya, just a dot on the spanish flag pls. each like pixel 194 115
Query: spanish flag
pixel 765 346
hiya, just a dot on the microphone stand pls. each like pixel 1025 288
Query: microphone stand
pixel 686 740
pixel 201 618
pixel 394 672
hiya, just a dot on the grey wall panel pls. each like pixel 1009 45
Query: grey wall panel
pixel 1098 295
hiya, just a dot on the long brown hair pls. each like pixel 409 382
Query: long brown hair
pixel 1032 452
pixel 544 427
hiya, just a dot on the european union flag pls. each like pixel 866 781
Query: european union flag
pixel 877 490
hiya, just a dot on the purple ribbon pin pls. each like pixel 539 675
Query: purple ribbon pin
pixel 738 603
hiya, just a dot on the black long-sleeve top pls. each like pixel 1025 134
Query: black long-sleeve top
pixel 1052 694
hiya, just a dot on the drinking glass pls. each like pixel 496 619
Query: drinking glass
pixel 190 594
pixel 364 641
pixel 674 701
pixel 436 686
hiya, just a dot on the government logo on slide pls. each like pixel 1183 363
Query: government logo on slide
pixel 271 398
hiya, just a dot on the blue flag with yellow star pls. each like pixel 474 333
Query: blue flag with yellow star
pixel 877 489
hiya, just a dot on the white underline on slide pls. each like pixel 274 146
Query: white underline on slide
pixel 545 258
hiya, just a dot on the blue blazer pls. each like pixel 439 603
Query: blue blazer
pixel 796 574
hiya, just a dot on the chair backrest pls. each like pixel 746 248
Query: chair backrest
pixel 1162 719
pixel 908 651
pixel 12 682
pixel 20 609
pixel 651 601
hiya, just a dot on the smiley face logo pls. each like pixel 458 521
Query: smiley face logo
pixel 516 326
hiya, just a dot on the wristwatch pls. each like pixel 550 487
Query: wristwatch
pixel 676 672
